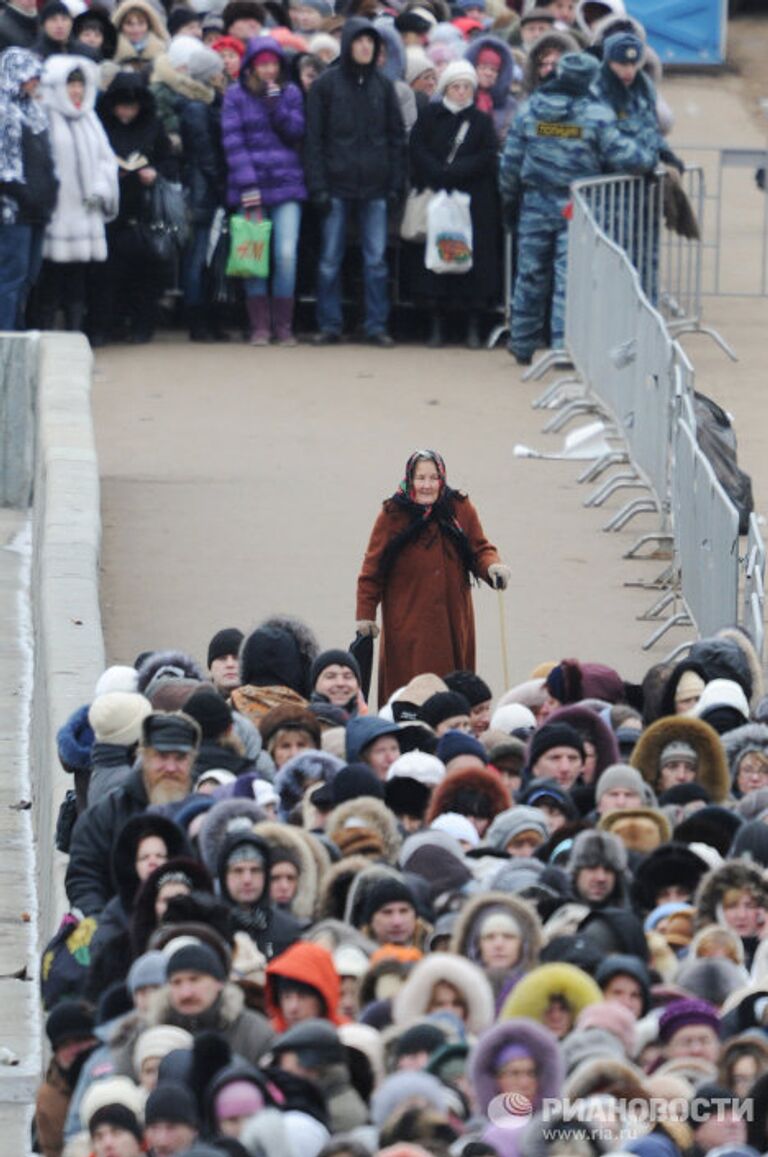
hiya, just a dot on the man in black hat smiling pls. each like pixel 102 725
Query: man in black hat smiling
pixel 162 775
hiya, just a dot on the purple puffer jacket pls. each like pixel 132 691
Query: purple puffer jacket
pixel 261 137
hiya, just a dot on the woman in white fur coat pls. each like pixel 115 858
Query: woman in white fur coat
pixel 88 187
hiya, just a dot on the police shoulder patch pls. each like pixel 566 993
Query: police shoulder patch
pixel 562 132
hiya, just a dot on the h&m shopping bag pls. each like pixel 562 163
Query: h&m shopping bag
pixel 248 247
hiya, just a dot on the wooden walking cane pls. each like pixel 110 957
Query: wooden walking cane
pixel 503 627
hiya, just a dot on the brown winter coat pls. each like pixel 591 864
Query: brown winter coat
pixel 426 605
pixel 51 1107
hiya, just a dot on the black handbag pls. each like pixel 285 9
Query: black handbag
pixel 163 228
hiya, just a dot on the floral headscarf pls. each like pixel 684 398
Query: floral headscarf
pixel 406 486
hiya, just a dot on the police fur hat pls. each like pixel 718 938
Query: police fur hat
pixel 712 771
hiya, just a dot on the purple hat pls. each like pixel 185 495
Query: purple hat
pixel 681 1013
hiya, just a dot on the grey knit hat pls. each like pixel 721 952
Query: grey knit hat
pixel 677 750
pixel 510 823
pixel 620 775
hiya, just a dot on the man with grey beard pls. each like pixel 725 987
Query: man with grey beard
pixel 162 775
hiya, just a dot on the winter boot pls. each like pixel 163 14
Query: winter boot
pixel 258 316
pixel 198 326
pixel 473 332
pixel 282 317
pixel 435 339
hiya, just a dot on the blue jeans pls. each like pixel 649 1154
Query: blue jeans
pixel 21 252
pixel 284 243
pixel 193 266
pixel 372 218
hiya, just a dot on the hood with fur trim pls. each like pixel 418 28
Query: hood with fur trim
pixel 154 19
pixel 283 837
pixel 723 657
pixel 590 726
pixel 360 886
pixel 532 995
pixel 181 83
pixel 280 652
pixel 591 848
pixel 472 914
pixel 179 664
pixel 463 791
pixel 336 885
pixel 508 73
pixel 750 737
pixel 736 875
pixel 742 640
pixel 610 7
pixel 554 41
pixel 240 813
pixel 712 772
pixel 367 812
pixel 413 999
pixel 306 963
pixel 538 1040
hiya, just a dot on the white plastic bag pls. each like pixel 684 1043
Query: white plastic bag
pixel 449 233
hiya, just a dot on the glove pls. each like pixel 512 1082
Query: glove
pixel 366 627
pixel 94 202
pixel 499 574
pixel 322 203
pixel 670 158
pixel 250 199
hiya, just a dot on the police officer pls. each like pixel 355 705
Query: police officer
pixel 561 135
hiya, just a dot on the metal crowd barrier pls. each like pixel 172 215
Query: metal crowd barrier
pixel 634 371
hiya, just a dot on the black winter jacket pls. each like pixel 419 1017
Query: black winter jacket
pixel 355 142
pixel 88 880
pixel 144 135
pixel 35 198
pixel 205 170
pixel 17 29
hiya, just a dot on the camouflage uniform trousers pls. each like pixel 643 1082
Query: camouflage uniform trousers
pixel 542 260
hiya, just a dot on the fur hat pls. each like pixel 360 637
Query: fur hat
pixel 733 875
pixel 419 765
pixel 158 1041
pixel 473 792
pixel 612 1017
pixel 711 978
pixel 592 849
pixel 366 812
pixel 640 829
pixel 716 826
pixel 512 717
pixel 290 717
pixel 672 863
pixel 467 683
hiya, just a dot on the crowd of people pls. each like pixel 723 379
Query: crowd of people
pixel 314 118
pixel 303 927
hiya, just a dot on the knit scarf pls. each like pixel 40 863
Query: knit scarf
pixel 422 519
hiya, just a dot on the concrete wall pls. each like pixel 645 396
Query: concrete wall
pixel 69 647
pixel 51 656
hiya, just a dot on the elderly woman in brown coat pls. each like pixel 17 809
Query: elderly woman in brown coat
pixel 426 546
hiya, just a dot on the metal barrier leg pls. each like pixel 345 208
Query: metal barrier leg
pixel 639 506
pixel 550 359
pixel 549 399
pixel 676 329
pixel 572 410
pixel 643 539
pixel 681 619
pixel 593 472
pixel 629 481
